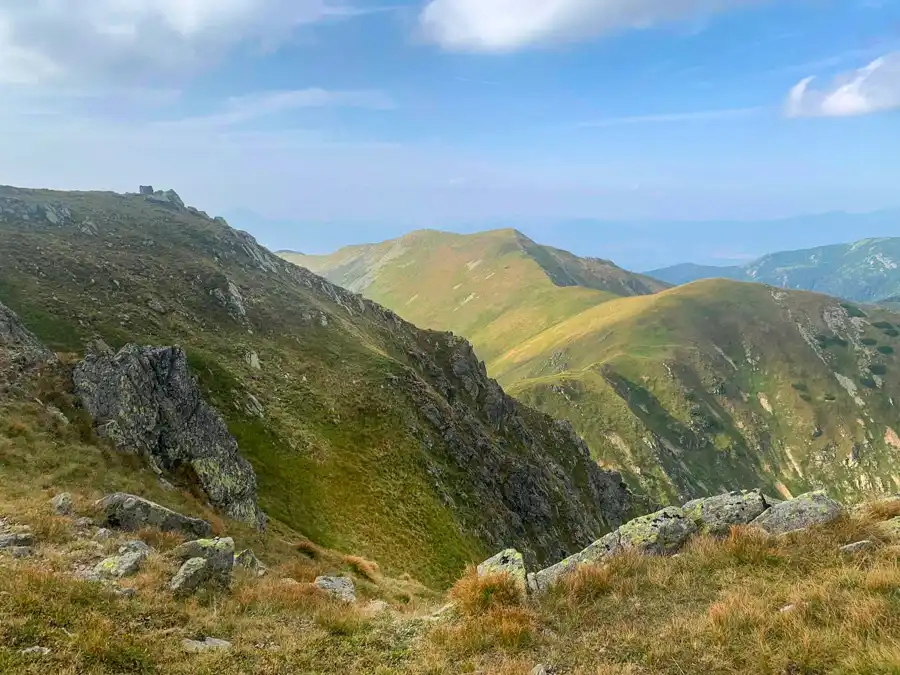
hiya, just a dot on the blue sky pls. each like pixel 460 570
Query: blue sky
pixel 321 121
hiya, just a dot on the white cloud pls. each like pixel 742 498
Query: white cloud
pixel 128 40
pixel 240 109
pixel 695 116
pixel 873 88
pixel 508 25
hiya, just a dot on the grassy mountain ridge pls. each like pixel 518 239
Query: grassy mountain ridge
pixel 366 434
pixel 864 271
pixel 488 282
pixel 702 388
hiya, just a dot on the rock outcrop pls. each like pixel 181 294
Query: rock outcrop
pixel 813 508
pixel 716 515
pixel 130 512
pixel 145 400
pixel 19 343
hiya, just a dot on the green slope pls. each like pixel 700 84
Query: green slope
pixel 367 434
pixel 495 288
pixel 702 388
pixel 864 271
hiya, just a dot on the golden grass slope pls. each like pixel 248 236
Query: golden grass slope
pixel 496 288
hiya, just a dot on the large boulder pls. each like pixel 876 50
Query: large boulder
pixel 660 533
pixel 145 400
pixel 191 576
pixel 509 562
pixel 129 512
pixel 716 515
pixel 808 510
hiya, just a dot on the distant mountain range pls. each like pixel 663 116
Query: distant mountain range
pixel 864 271
pixel 687 391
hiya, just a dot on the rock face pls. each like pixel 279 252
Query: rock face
pixel 716 515
pixel 21 342
pixel 341 588
pixel 510 562
pixel 814 508
pixel 129 512
pixel 146 401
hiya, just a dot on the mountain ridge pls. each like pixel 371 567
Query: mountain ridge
pixel 693 389
pixel 867 270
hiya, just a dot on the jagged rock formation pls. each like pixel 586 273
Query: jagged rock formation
pixel 145 400
pixel 20 350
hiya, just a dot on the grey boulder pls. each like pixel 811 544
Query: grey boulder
pixel 247 559
pixel 341 588
pixel 217 553
pixel 16 540
pixel 62 504
pixel 129 512
pixel 126 564
pixel 192 575
pixel 716 515
pixel 808 510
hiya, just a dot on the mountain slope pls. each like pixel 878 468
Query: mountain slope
pixel 702 388
pixel 864 271
pixel 366 434
pixel 495 288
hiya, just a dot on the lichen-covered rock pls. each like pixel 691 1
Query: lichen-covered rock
pixel 808 510
pixel 660 533
pixel 146 401
pixel 218 554
pixel 510 562
pixel 599 550
pixel 192 575
pixel 126 564
pixel 341 588
pixel 62 504
pixel 248 560
pixel 129 512
pixel 135 546
pixel 716 515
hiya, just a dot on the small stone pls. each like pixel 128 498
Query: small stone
pixel 341 588
pixel 121 566
pixel 195 646
pixel 788 608
pixel 35 651
pixel 21 551
pixel 62 504
pixel 540 669
pixel 376 607
pixel 126 592
pixel 858 547
pixel 16 540
pixel 84 523
pixel 288 582
pixel 156 306
pixel 102 534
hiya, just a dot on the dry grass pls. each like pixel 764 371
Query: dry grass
pixel 363 568
pixel 477 595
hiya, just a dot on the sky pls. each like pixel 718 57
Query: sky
pixel 315 123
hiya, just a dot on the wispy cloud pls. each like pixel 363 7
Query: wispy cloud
pixel 672 118
pixel 510 25
pixel 242 109
pixel 112 40
pixel 870 89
